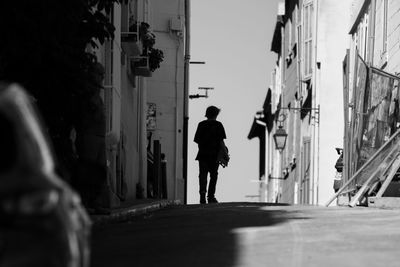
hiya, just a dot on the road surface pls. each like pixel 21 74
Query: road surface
pixel 251 234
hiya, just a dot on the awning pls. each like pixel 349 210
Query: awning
pixel 277 38
pixel 267 109
pixel 290 6
pixel 307 104
pixel 257 129
pixel 278 109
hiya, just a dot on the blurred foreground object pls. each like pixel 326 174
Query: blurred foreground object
pixel 42 221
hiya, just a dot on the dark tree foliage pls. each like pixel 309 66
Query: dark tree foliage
pixel 43 47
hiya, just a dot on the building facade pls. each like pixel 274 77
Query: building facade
pixel 371 84
pixel 307 84
pixel 144 101
pixel 165 90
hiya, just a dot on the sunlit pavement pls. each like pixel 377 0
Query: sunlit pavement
pixel 251 234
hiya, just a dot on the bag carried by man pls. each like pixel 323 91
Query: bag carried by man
pixel 223 155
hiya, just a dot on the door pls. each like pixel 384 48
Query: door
pixel 305 184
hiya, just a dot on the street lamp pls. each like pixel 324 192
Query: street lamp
pixel 205 95
pixel 280 137
pixel 197 62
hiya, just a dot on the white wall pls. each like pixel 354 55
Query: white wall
pixel 394 37
pixel 333 25
pixel 165 89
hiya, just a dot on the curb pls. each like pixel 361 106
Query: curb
pixel 128 213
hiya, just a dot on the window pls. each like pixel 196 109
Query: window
pixel 108 78
pixel 293 28
pixel 305 183
pixel 366 35
pixel 108 103
pixel 363 39
pixel 299 42
pixel 146 11
pixel 384 25
pixel 109 56
pixel 129 16
pixel 360 43
pixel 299 45
pixel 133 7
pixel 290 34
pixel 308 34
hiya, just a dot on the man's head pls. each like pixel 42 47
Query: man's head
pixel 212 112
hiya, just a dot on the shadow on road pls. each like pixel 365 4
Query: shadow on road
pixel 191 235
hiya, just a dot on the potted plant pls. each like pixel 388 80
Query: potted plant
pixel 154 56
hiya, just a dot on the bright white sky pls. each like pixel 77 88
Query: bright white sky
pixel 234 38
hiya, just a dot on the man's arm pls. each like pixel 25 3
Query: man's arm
pixel 197 135
pixel 222 133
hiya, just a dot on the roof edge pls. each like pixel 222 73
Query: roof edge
pixel 361 12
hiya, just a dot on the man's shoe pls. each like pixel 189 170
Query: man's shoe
pixel 212 200
pixel 203 199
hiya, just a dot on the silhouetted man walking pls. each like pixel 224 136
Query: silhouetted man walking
pixel 209 136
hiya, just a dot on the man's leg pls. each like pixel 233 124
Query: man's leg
pixel 213 181
pixel 203 172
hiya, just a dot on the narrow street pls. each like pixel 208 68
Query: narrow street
pixel 251 234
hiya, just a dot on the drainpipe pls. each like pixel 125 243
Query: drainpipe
pixel 186 96
pixel 262 175
pixel 176 120
pixel 315 134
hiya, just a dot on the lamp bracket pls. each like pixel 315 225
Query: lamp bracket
pixel 316 117
pixel 317 109
pixel 198 95
pixel 281 120
pixel 276 178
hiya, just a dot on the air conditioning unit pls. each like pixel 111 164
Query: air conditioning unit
pixel 131 34
pixel 140 66
pixel 129 37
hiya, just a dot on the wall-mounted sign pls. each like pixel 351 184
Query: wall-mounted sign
pixel 151 122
